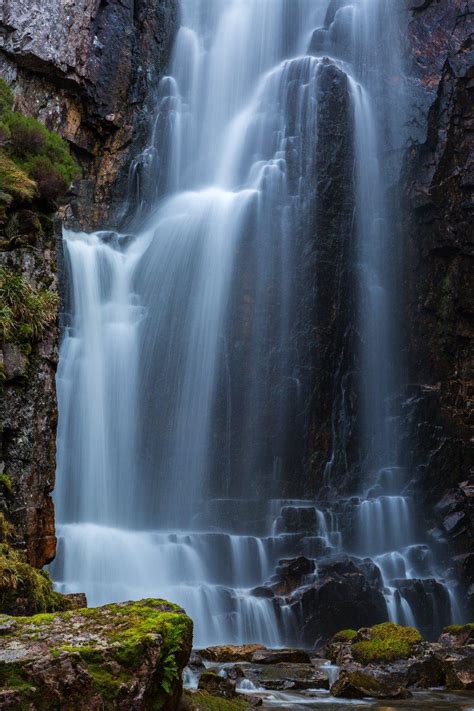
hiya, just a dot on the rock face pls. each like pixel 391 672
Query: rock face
pixel 438 273
pixel 86 70
pixel 28 414
pixel 123 656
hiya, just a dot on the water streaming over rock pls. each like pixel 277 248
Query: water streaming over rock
pixel 183 372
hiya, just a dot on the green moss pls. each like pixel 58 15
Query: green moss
pixel 458 629
pixel 205 702
pixel 18 580
pixel 25 312
pixel 13 677
pixel 6 485
pixel 344 635
pixel 388 641
pixel 6 97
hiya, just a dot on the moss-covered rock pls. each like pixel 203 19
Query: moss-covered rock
pixel 358 685
pixel 385 643
pixel 122 656
pixel 344 636
pixel 202 701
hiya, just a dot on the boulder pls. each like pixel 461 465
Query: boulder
pixel 458 667
pixel 358 685
pixel 284 677
pixel 457 635
pixel 230 653
pixel 279 656
pixel 122 656
pixel 341 596
pixel 291 574
pixel 217 684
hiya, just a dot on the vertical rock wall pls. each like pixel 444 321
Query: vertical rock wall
pixel 438 182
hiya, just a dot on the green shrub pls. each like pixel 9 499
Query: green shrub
pixel 25 312
pixel 388 641
pixel 15 181
pixel 35 161
pixel 6 97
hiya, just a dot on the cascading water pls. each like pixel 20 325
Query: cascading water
pixel 181 376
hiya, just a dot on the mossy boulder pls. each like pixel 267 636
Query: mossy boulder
pixel 344 636
pixel 202 701
pixel 386 642
pixel 121 656
pixel 358 685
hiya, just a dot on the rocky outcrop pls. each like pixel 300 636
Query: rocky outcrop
pixel 438 278
pixel 387 660
pixel 87 71
pixel 123 656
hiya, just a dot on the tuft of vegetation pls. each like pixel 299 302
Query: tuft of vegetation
pixel 6 485
pixel 25 312
pixel 14 181
pixel 344 636
pixel 22 587
pixel 202 701
pixel 388 641
pixel 34 162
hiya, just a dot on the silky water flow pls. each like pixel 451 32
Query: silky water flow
pixel 179 378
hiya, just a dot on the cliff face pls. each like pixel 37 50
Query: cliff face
pixel 438 275
pixel 86 70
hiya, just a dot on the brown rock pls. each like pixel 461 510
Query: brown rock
pixel 358 684
pixel 278 656
pixel 230 653
pixel 217 685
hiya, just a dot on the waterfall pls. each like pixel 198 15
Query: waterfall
pixel 182 374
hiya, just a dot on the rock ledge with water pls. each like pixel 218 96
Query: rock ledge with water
pixel 120 656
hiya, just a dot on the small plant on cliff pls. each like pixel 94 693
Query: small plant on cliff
pixel 387 642
pixel 43 163
pixel 25 312
pixel 344 636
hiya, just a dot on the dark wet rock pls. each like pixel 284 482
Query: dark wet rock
pixel 429 601
pixel 278 656
pixel 458 667
pixel 340 597
pixel 217 685
pixel 438 277
pixel 291 574
pixel 122 656
pixel 262 591
pixel 284 676
pixel 359 684
pixel 295 519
